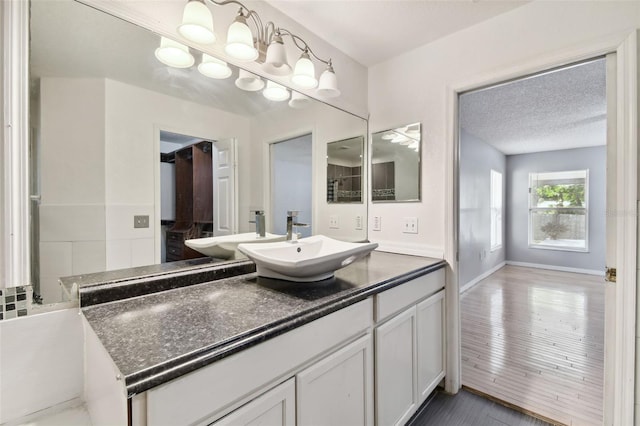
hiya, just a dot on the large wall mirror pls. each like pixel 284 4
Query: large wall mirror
pixel 395 164
pixel 112 128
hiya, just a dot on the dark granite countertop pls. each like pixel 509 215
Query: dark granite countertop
pixel 160 336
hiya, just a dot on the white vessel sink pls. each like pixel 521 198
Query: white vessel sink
pixel 224 247
pixel 308 259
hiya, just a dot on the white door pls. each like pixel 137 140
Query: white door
pixel 338 390
pixel 224 196
pixel 396 365
pixel 276 407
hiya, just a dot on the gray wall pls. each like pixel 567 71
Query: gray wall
pixel 476 161
pixel 517 204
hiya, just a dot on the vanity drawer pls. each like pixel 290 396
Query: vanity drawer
pixel 396 299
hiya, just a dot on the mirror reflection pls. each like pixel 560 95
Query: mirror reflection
pixel 395 164
pixel 344 170
pixel 104 111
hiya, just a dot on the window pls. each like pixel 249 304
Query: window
pixel 558 210
pixel 496 210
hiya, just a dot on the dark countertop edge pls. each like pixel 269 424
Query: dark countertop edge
pixel 112 291
pixel 162 373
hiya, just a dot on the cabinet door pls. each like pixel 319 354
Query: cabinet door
pixel 396 387
pixel 430 340
pixel 338 390
pixel 273 408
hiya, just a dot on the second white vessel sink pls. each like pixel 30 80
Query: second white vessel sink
pixel 224 247
pixel 308 259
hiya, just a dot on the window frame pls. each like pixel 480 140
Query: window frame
pixel 499 225
pixel 532 209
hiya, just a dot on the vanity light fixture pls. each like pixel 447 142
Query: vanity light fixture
pixel 174 54
pixel 275 92
pixel 304 73
pixel 264 45
pixel 276 61
pixel 388 136
pixel 248 81
pixel 214 67
pixel 399 138
pixel 197 23
pixel 240 40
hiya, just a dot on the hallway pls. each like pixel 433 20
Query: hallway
pixel 534 338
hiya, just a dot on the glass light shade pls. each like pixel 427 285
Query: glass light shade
pixel 304 73
pixel 240 41
pixel 197 23
pixel 249 82
pixel 328 86
pixel 174 54
pixel 413 145
pixel 275 92
pixel 214 67
pixel 276 61
pixel 299 101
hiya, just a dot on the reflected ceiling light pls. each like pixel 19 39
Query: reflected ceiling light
pixel 240 40
pixel 248 81
pixel 388 136
pixel 328 86
pixel 197 23
pixel 399 139
pixel 299 101
pixel 174 54
pixel 275 92
pixel 413 145
pixel 214 67
pixel 304 73
pixel 276 61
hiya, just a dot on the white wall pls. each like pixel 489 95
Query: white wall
pixel 41 362
pixel 517 206
pixel 413 87
pixel 72 211
pixel 134 117
pixel 477 159
pixel 326 124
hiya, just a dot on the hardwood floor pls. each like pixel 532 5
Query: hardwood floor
pixel 468 409
pixel 534 338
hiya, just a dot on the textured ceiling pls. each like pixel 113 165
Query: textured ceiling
pixel 372 31
pixel 562 109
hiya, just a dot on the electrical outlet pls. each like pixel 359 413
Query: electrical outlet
pixel 377 223
pixel 333 222
pixel 358 223
pixel 141 221
pixel 410 225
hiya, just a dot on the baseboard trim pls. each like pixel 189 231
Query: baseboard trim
pixel 557 268
pixel 481 277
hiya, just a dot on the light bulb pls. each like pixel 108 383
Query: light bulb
pixel 276 60
pixel 304 73
pixel 240 40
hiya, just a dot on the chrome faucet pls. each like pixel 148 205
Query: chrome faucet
pixel 260 228
pixel 292 215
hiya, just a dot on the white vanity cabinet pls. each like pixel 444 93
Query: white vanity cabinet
pixel 409 346
pixel 277 407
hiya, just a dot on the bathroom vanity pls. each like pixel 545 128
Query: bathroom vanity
pixel 220 345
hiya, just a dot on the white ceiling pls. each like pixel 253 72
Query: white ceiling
pixel 372 31
pixel 562 109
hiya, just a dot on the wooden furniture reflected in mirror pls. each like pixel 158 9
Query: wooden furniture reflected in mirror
pixel 194 200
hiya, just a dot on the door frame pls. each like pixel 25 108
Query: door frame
pixel 620 334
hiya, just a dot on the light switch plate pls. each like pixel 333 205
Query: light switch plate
pixel 377 223
pixel 410 225
pixel 334 222
pixel 358 223
pixel 141 221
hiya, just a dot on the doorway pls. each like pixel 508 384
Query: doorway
pixel 291 163
pixel 532 196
